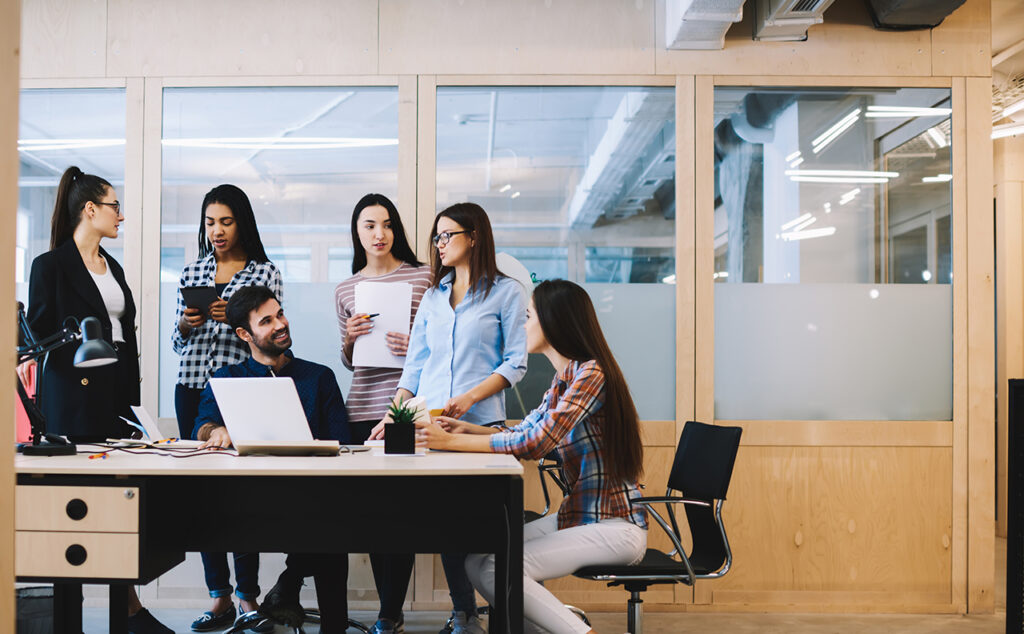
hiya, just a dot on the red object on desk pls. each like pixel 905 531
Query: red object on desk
pixel 22 428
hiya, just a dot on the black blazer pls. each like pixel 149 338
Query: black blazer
pixel 86 401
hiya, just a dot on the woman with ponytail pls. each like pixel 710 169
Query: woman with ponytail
pixel 78 278
pixel 589 419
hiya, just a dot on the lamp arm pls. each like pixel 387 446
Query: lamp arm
pixel 41 348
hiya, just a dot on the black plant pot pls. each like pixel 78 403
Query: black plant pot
pixel 399 438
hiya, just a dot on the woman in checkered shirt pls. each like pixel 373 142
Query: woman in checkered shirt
pixel 231 256
pixel 589 419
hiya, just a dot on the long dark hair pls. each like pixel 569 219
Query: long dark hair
pixel 569 323
pixel 234 199
pixel 75 189
pixel 482 266
pixel 400 243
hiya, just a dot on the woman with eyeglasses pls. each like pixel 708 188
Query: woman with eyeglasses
pixel 381 254
pixel 468 344
pixel 78 278
pixel 231 256
pixel 589 419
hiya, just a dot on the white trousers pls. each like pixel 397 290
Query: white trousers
pixel 549 553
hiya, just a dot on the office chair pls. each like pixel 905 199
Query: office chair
pixel 700 473
pixel 550 466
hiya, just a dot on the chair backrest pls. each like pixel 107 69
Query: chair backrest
pixel 702 470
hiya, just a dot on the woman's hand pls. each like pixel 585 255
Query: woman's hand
pixel 433 436
pixel 219 439
pixel 25 372
pixel 398 343
pixel 217 310
pixel 356 326
pixel 377 433
pixel 454 426
pixel 458 405
pixel 191 319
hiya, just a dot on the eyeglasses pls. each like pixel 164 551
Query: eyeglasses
pixel 116 205
pixel 442 239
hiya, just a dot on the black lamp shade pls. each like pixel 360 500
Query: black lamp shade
pixel 94 351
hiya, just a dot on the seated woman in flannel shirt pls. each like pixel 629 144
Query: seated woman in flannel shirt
pixel 589 419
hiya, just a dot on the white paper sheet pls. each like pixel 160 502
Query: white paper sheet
pixel 393 302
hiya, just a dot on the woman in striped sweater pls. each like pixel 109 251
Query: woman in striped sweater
pixel 381 254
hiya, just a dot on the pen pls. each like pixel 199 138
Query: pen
pixel 371 316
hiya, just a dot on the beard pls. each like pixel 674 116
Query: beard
pixel 271 347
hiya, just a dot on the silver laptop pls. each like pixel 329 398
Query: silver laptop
pixel 265 416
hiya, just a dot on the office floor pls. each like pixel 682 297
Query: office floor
pixel 672 623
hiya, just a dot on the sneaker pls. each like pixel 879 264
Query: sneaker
pixel 282 602
pixel 142 622
pixel 387 626
pixel 263 622
pixel 210 621
pixel 467 624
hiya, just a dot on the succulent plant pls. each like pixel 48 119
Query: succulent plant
pixel 401 413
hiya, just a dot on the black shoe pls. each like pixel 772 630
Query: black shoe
pixel 282 602
pixel 210 621
pixel 142 622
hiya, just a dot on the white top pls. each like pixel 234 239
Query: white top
pixel 372 463
pixel 113 299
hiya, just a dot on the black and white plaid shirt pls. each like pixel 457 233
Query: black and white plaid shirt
pixel 214 345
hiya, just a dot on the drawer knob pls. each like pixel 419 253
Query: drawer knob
pixel 75 554
pixel 76 509
pixel 129 494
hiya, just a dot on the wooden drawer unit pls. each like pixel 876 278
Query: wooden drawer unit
pixel 102 509
pixel 76 555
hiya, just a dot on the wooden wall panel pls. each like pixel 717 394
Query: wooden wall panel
pixel 10 23
pixel 64 39
pixel 962 44
pixel 839 519
pixel 264 37
pixel 516 36
pixel 845 44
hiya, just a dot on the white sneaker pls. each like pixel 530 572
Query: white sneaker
pixel 471 624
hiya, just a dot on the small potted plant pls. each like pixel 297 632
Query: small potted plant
pixel 400 433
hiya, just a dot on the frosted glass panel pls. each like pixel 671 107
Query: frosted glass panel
pixel 833 352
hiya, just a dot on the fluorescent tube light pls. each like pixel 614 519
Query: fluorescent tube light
pixel 1007 129
pixel 833 132
pixel 795 221
pixel 838 179
pixel 515 195
pixel 39 145
pixel 843 173
pixel 797 162
pixel 1013 108
pixel 504 189
pixel 280 143
pixel 877 112
pixel 803 225
pixel 941 178
pixel 793 156
pixel 669 279
pixel 811 233
pixel 937 136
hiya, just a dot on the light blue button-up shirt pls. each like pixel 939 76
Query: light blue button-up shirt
pixel 453 350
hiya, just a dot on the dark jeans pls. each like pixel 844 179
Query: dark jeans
pixel 391 572
pixel 330 574
pixel 460 588
pixel 218 575
pixel 186 408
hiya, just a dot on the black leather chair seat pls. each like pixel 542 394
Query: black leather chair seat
pixel 654 563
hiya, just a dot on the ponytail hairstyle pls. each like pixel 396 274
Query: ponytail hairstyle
pixel 569 323
pixel 482 264
pixel 234 199
pixel 399 244
pixel 75 189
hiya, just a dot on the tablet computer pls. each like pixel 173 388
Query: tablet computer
pixel 199 296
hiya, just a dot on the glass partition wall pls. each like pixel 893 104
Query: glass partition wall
pixel 579 183
pixel 833 277
pixel 304 156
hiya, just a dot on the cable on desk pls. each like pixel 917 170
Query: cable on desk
pixel 173 452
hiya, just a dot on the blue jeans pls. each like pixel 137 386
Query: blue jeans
pixel 218 575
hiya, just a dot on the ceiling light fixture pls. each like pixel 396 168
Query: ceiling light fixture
pixel 941 178
pixel 878 112
pixel 830 135
pixel 38 145
pixel 1007 129
pixel 515 195
pixel 1015 107
pixel 938 136
pixel 793 156
pixel 795 221
pixel 505 188
pixel 811 233
pixel 280 143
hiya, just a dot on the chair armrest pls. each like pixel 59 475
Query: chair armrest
pixel 668 499
pixel 675 541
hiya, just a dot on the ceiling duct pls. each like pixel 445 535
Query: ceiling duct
pixel 700 24
pixel 906 15
pixel 634 146
pixel 787 20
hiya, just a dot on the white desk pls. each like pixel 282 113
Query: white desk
pixel 142 512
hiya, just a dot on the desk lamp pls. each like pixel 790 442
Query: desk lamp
pixel 93 352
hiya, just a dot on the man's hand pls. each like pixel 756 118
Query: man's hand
pixel 219 439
